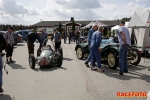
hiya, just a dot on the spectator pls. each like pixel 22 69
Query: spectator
pixel 10 45
pixel 30 42
pixel 77 36
pixel 69 37
pixel 91 31
pixel 95 48
pixel 125 42
pixel 3 46
pixel 57 39
pixel 65 36
pixel 43 36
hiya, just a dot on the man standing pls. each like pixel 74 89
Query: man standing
pixel 57 39
pixel 30 42
pixel 3 46
pixel 91 31
pixel 125 42
pixel 65 36
pixel 69 36
pixel 95 48
pixel 10 45
pixel 43 36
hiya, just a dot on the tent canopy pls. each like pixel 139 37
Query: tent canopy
pixel 100 23
pixel 117 26
pixel 140 18
pixel 88 26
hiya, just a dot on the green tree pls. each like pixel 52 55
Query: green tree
pixel 73 25
pixel 60 28
pixel 108 34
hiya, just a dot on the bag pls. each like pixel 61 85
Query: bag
pixel 30 36
pixel 3 44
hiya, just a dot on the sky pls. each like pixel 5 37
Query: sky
pixel 29 12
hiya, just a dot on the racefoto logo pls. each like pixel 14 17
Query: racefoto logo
pixel 132 94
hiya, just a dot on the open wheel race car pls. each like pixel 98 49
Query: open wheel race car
pixel 47 56
pixel 109 53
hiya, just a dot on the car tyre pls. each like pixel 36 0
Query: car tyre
pixel 32 61
pixel 59 61
pixel 79 53
pixel 38 52
pixel 137 56
pixel 112 59
pixel 61 51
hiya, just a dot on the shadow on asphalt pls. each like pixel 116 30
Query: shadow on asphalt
pixel 16 66
pixel 132 74
pixel 5 97
pixel 68 59
pixel 48 68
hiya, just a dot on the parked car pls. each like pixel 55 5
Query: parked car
pixel 109 53
pixel 17 37
pixel 23 33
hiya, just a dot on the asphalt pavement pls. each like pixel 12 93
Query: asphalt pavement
pixel 73 81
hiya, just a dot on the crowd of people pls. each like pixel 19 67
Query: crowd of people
pixel 94 42
pixel 72 36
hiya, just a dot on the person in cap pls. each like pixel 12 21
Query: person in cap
pixel 31 38
pixel 95 49
pixel 10 45
pixel 125 42
pixel 57 39
pixel 90 32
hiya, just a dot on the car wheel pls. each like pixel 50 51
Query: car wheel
pixel 59 60
pixel 79 53
pixel 112 60
pixel 38 52
pixel 32 61
pixel 61 51
pixel 135 55
pixel 15 43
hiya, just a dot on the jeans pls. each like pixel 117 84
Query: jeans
pixel 123 63
pixel 96 57
pixel 57 46
pixel 90 56
pixel 1 67
pixel 64 39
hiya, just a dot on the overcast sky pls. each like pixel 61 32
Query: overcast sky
pixel 48 10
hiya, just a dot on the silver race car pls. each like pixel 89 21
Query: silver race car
pixel 47 56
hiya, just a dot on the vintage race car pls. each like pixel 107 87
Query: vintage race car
pixel 109 53
pixel 47 56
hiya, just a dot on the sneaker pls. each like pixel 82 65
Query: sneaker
pixel 1 90
pixel 120 73
pixel 11 61
pixel 126 71
pixel 7 62
pixel 87 65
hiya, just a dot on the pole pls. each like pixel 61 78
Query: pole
pixel 2 18
pixel 23 19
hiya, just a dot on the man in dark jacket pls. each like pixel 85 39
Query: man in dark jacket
pixel 31 40
pixel 3 46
